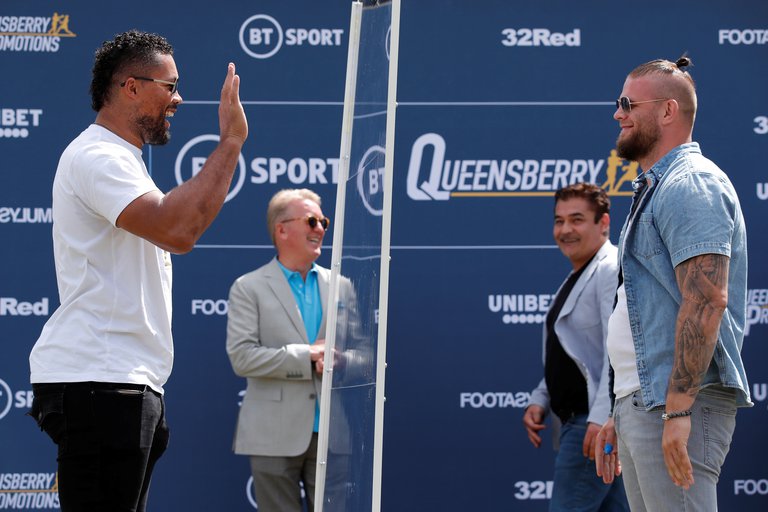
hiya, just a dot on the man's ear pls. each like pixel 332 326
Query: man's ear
pixel 279 231
pixel 605 222
pixel 129 87
pixel 671 111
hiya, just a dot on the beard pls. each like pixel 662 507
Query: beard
pixel 641 143
pixel 153 129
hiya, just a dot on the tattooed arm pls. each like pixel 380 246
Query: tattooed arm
pixel 703 283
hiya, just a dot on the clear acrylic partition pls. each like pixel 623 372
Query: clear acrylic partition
pixel 350 445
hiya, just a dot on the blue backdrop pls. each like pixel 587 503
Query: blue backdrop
pixel 500 103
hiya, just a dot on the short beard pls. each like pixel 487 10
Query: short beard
pixel 639 145
pixel 152 131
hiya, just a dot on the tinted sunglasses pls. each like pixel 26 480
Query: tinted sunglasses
pixel 174 86
pixel 626 104
pixel 312 221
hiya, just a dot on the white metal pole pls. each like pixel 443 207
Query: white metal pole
pixel 336 252
pixel 386 229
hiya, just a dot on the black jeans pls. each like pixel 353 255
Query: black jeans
pixel 109 437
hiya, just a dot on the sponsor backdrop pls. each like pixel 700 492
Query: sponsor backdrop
pixel 500 104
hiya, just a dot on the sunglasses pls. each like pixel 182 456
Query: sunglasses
pixel 174 85
pixel 626 104
pixel 312 221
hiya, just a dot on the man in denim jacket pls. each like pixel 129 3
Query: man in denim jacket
pixel 675 336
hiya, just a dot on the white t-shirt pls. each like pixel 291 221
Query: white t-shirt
pixel 621 348
pixel 114 322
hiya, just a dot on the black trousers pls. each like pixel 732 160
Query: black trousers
pixel 109 437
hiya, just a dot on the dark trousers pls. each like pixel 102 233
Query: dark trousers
pixel 109 437
pixel 276 480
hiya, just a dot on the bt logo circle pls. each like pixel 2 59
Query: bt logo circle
pixel 261 36
pixel 5 395
pixel 252 498
pixel 196 162
pixel 388 41
pixel 370 179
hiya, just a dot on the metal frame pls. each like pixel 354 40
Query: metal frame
pixel 386 230
pixel 336 255
pixel 338 238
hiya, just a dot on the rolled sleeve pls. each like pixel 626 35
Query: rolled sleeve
pixel 699 217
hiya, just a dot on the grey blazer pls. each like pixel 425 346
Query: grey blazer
pixel 582 327
pixel 267 343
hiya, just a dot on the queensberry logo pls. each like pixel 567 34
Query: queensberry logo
pixel 434 176
pixel 262 36
pixel 757 308
pixel 29 491
pixel 40 34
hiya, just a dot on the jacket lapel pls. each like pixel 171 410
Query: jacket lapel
pixel 570 302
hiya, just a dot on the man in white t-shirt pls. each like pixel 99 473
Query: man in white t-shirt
pixel 100 363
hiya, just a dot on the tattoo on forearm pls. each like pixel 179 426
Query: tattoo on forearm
pixel 703 282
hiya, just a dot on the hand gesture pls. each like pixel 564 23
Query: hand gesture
pixel 232 122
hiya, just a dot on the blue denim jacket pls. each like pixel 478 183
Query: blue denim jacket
pixel 689 208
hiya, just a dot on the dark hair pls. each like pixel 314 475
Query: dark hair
pixel 679 84
pixel 595 196
pixel 127 50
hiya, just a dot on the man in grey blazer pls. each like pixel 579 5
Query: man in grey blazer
pixel 276 339
pixel 575 383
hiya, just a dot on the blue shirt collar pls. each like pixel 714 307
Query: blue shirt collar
pixel 289 273
pixel 656 173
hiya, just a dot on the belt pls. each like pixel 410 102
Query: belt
pixel 93 385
